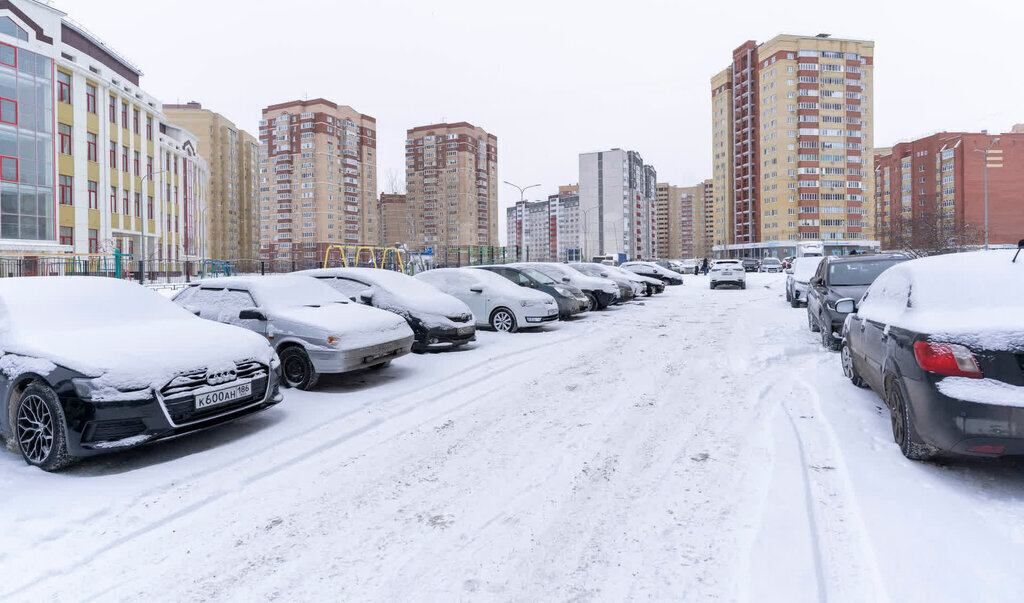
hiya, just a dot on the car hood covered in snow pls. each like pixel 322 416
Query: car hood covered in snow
pixel 128 335
pixel 357 326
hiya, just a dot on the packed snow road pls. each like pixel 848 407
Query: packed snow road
pixel 699 445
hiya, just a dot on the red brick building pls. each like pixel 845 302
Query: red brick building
pixel 931 191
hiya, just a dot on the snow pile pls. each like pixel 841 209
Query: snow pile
pixel 975 298
pixel 12 365
pixel 982 391
pixel 402 294
pixel 130 335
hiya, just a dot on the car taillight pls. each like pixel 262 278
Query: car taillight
pixel 946 359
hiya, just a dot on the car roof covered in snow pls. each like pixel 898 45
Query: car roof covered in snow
pixel 396 291
pixel 279 290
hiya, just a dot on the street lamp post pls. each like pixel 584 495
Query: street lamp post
pixel 987 152
pixel 142 255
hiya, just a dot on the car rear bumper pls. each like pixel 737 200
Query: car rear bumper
pixel 343 361
pixel 958 426
pixel 98 427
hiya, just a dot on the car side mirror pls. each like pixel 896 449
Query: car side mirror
pixel 815 281
pixel 366 298
pixel 566 279
pixel 477 289
pixel 846 305
pixel 251 314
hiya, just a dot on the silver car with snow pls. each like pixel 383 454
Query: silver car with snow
pixel 314 328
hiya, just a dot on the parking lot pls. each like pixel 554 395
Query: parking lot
pixel 699 444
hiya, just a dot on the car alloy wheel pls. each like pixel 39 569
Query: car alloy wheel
pixel 848 368
pixel 503 321
pixel 591 302
pixel 35 429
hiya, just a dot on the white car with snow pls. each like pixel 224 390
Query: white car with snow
pixel 798 278
pixel 600 292
pixel 669 277
pixel 494 300
pixel 119 367
pixel 314 328
pixel 438 320
pixel 728 272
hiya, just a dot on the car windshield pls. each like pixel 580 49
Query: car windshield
pixel 538 276
pixel 283 291
pixel 858 273
pixel 771 261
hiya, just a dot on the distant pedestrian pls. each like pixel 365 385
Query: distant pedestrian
pixel 704 266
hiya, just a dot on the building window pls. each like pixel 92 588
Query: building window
pixel 136 164
pixel 113 110
pixel 124 158
pixel 94 240
pixel 64 186
pixel 149 127
pixel 135 120
pixel 64 138
pixel 149 207
pixel 94 200
pixel 138 205
pixel 124 203
pixel 9 111
pixel 124 115
pixel 113 199
pixel 149 167
pixel 90 98
pixel 64 87
pixel 90 146
pixel 67 235
pixel 9 168
pixel 113 155
pixel 8 55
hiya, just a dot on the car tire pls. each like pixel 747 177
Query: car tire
pixel 904 432
pixel 40 429
pixel 849 369
pixel 743 285
pixel 503 321
pixel 794 302
pixel 789 295
pixel 711 284
pixel 812 324
pixel 591 303
pixel 297 370
pixel 829 342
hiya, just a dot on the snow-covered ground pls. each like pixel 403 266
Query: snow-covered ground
pixel 696 446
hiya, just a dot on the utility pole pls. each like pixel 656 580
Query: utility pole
pixel 142 256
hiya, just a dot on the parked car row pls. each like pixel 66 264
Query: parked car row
pixel 940 340
pixel 123 366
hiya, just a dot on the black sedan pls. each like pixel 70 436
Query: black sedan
pixel 571 300
pixel 947 360
pixel 838 278
pixel 118 368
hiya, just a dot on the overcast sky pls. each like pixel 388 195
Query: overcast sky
pixel 552 79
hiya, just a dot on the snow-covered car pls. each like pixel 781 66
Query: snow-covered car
pixel 601 292
pixel 728 272
pixel 947 356
pixel 627 281
pixel 771 265
pixel 651 285
pixel 798 275
pixel 119 367
pixel 571 300
pixel 438 320
pixel 669 277
pixel 314 328
pixel 750 264
pixel 688 266
pixel 493 299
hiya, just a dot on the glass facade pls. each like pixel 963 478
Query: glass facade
pixel 26 147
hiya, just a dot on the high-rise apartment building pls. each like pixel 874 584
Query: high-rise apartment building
pixel 232 215
pixel 395 220
pixel 678 222
pixel 451 175
pixel 88 163
pixel 318 180
pixel 704 221
pixel 930 192
pixel 530 230
pixel 565 216
pixel 617 195
pixel 791 139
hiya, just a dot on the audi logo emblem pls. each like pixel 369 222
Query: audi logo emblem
pixel 221 377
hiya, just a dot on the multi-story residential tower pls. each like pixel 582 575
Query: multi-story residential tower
pixel 451 175
pixel 318 180
pixel 680 216
pixel 565 217
pixel 395 220
pixel 529 230
pixel 232 215
pixel 704 221
pixel 88 162
pixel 617 194
pixel 792 132
pixel 930 192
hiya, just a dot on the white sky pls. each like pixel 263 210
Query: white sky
pixel 552 79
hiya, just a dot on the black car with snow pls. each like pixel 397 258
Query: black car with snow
pixel 838 278
pixel 947 359
pixel 92 365
pixel 438 321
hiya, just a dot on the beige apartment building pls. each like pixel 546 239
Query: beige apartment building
pixel 318 181
pixel 680 220
pixel 231 217
pixel 792 123
pixel 451 175
pixel 395 220
pixel 704 217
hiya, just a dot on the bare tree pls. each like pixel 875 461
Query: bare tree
pixel 393 184
pixel 934 232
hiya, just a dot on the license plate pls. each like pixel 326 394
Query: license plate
pixel 726 273
pixel 223 395
pixel 465 331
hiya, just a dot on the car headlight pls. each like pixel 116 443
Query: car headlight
pixel 333 339
pixel 563 291
pixel 91 389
